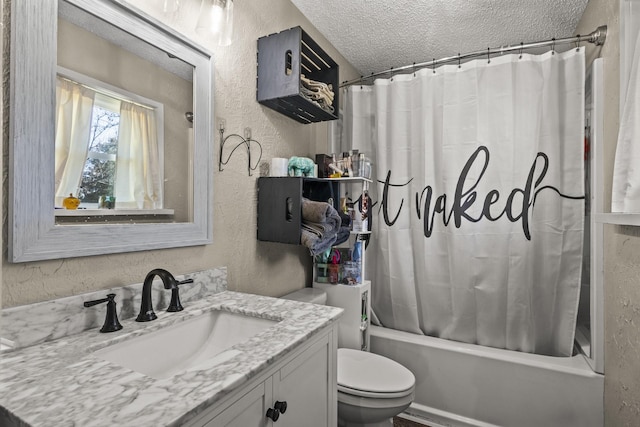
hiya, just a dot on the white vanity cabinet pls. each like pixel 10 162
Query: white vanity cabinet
pixel 305 380
pixel 248 410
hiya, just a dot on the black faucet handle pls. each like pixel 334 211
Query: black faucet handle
pixel 175 305
pixel 111 323
pixel 97 301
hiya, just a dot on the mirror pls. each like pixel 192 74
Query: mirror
pixel 122 135
pixel 126 61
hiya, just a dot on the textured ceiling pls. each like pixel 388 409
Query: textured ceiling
pixel 375 35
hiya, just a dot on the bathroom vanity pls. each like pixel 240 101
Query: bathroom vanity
pixel 66 381
pixel 300 383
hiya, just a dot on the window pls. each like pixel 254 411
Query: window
pixel 109 142
pixel 99 172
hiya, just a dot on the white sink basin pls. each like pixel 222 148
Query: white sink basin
pixel 200 341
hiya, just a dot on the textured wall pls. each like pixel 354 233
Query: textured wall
pixel 257 267
pixel 622 245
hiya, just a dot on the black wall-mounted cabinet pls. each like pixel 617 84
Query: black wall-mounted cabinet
pixel 280 205
pixel 282 58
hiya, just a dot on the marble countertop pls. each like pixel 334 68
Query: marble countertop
pixel 61 383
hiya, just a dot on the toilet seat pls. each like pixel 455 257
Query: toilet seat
pixel 365 374
pixel 372 395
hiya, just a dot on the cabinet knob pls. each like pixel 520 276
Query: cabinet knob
pixel 273 414
pixel 281 406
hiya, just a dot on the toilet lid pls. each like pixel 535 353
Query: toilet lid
pixel 361 370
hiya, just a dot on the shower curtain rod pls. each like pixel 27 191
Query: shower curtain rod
pixel 597 37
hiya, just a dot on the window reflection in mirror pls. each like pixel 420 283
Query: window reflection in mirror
pixel 123 144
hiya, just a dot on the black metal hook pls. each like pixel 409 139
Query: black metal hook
pixel 244 141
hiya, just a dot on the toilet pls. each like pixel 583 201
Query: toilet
pixel 372 389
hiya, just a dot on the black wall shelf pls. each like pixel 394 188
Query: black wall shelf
pixel 282 59
pixel 280 205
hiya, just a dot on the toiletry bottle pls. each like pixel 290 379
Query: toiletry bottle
pixel 346 164
pixel 365 211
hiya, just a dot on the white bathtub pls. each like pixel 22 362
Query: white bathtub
pixel 461 384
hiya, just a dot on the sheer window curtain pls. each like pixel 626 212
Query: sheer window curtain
pixel 498 269
pixel 74 107
pixel 138 178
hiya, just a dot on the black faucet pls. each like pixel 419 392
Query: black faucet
pixel 146 307
pixel 111 323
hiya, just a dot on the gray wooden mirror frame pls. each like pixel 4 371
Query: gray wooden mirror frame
pixel 33 234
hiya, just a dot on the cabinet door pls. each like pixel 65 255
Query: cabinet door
pixel 304 384
pixel 248 411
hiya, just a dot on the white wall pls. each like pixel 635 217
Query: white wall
pixel 257 267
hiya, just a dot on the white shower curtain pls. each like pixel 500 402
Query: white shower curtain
pixel 478 231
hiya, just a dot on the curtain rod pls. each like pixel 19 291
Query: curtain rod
pixel 597 37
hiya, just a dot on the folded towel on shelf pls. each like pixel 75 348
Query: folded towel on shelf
pixel 317 96
pixel 319 99
pixel 314 227
pixel 331 226
pixel 318 93
pixel 316 244
pixel 313 211
pixel 320 225
pixel 327 108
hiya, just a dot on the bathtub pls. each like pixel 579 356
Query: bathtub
pixel 460 384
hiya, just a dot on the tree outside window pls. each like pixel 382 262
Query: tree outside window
pixel 99 173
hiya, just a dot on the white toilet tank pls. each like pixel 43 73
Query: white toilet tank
pixel 353 325
pixel 312 295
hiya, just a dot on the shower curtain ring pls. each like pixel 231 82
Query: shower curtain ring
pixel 553 46
pixel 434 62
pixel 391 71
pixel 459 66
pixel 578 44
pixel 488 56
pixel 521 47
pixel 414 69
